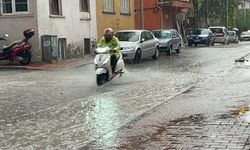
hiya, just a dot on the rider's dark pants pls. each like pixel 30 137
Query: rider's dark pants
pixel 114 60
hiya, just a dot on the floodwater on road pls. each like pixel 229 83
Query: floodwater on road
pixel 64 109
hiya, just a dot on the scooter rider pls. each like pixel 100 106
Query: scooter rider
pixel 109 40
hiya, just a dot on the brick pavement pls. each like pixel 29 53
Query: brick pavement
pixel 191 133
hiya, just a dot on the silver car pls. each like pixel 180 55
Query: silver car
pixel 233 37
pixel 170 40
pixel 138 44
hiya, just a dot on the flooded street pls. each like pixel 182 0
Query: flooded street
pixel 190 100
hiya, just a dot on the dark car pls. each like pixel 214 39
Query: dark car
pixel 169 40
pixel 201 36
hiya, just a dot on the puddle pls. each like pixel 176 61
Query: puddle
pixel 191 119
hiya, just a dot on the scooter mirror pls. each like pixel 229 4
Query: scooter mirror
pixel 6 35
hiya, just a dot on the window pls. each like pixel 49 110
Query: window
pixel 125 7
pixel 14 6
pixel 55 7
pixel 149 36
pixel 127 36
pixel 108 6
pixel 84 5
pixel 144 36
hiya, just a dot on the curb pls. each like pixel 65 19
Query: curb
pixel 61 65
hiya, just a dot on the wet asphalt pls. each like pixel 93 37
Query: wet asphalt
pixel 64 109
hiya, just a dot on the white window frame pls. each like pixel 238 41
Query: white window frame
pixel 125 7
pixel 107 8
pixel 60 9
pixel 14 12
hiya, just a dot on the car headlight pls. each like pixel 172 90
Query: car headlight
pixel 129 48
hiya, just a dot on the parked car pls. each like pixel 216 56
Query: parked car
pixel 221 35
pixel 233 37
pixel 201 36
pixel 138 44
pixel 245 36
pixel 169 40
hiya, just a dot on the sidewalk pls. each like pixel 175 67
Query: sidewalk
pixel 71 63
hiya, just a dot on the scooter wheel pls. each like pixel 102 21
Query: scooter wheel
pixel 25 59
pixel 101 79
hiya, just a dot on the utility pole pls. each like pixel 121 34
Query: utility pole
pixel 227 13
pixel 142 14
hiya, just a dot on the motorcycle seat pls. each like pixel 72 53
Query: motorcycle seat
pixel 9 47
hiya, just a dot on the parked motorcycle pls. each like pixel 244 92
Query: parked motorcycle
pixel 103 66
pixel 18 49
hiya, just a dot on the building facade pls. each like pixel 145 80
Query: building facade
pixel 245 4
pixel 64 29
pixel 160 14
pixel 117 14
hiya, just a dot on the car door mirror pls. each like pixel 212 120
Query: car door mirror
pixel 142 40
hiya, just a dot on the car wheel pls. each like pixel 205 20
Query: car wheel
pixel 170 50
pixel 157 53
pixel 190 44
pixel 137 57
pixel 195 44
pixel 179 49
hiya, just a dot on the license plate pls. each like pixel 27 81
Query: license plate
pixel 196 40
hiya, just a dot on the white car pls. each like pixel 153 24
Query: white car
pixel 138 44
pixel 221 34
pixel 245 36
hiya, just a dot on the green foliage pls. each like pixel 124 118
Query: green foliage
pixel 217 10
pixel 243 21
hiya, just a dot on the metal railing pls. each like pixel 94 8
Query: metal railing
pixel 169 1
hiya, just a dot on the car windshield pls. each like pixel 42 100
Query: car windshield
pixel 231 33
pixel 245 33
pixel 200 32
pixel 127 36
pixel 162 34
pixel 216 30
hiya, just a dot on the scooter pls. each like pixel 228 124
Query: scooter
pixel 103 66
pixel 18 49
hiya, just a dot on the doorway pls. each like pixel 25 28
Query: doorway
pixel 62 44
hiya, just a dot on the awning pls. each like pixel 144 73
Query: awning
pixel 176 3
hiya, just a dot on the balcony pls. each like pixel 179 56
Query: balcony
pixel 176 3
